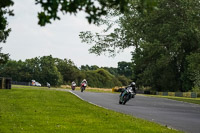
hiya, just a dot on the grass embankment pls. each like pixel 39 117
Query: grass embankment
pixel 42 110
pixel 89 89
pixel 183 99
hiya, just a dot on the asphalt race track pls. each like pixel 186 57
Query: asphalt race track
pixel 174 114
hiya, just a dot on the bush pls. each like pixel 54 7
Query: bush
pixel 195 89
pixel 124 80
pixel 101 78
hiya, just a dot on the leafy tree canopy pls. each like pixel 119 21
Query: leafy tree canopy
pixel 93 8
pixel 4 30
pixel 165 40
pixel 3 57
pixel 4 12
pixel 51 8
pixel 125 68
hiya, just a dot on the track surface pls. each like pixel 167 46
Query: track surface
pixel 174 114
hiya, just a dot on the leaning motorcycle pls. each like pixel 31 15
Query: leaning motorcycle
pixel 126 95
pixel 83 86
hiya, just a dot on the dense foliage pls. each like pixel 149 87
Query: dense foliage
pixel 4 30
pixel 101 78
pixel 42 69
pixel 166 42
pixel 60 71
pixel 52 8
pixel 108 76
pixel 93 8
pixel 3 57
pixel 4 12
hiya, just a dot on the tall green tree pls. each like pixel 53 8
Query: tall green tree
pixel 125 68
pixel 44 69
pixel 4 30
pixel 163 39
pixel 173 30
pixel 194 69
pixel 4 12
pixel 68 70
pixel 49 71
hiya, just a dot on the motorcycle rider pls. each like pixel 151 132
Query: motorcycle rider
pixel 127 93
pixel 133 86
pixel 48 85
pixel 83 85
pixel 133 89
pixel 73 85
pixel 84 81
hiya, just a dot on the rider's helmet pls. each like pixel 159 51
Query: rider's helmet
pixel 133 84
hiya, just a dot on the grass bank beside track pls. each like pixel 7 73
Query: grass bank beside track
pixel 38 109
pixel 183 99
pixel 89 89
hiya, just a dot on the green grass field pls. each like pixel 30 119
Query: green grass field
pixel 30 109
pixel 183 99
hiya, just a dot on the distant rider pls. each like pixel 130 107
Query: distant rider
pixel 73 85
pixel 48 85
pixel 83 85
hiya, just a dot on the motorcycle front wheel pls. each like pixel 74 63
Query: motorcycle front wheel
pixel 124 99
pixel 82 89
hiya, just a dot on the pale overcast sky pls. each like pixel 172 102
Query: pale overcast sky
pixel 60 39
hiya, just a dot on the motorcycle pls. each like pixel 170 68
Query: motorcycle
pixel 126 95
pixel 83 86
pixel 73 86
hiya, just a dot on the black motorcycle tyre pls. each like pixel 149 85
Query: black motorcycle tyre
pixel 82 89
pixel 124 99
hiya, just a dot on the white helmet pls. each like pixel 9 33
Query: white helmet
pixel 133 84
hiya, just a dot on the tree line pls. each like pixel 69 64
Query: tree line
pixel 63 71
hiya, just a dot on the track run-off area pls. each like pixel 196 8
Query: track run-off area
pixel 173 114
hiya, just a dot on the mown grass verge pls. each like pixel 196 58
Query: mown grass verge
pixel 89 89
pixel 183 99
pixel 27 109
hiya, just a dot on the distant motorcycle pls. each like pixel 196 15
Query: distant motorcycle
pixel 126 95
pixel 83 86
pixel 73 86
